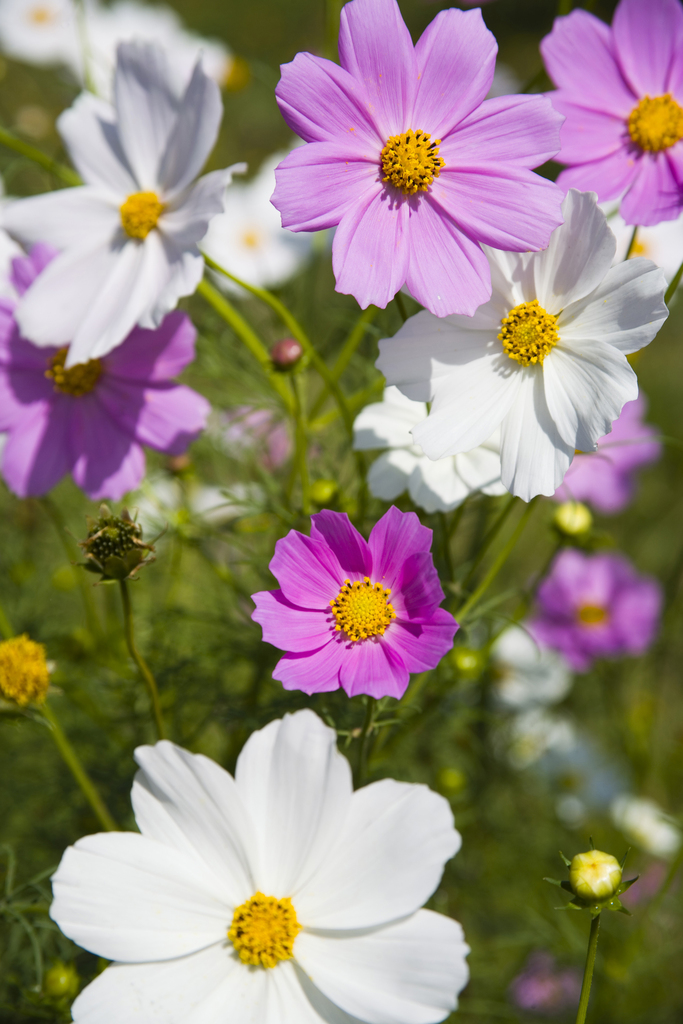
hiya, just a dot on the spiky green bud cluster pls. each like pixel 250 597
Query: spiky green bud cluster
pixel 114 546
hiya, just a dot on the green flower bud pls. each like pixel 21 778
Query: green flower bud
pixel 573 518
pixel 322 491
pixel 61 981
pixel 595 876
pixel 114 546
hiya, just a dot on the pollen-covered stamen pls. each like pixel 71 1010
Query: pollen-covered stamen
pixel 411 161
pixel 140 213
pixel 24 676
pixel 528 333
pixel 362 609
pixel 263 930
pixel 656 123
pixel 77 380
pixel 592 615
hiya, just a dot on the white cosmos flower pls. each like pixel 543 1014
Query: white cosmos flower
pixel 434 486
pixel 528 675
pixel 645 823
pixel 41 32
pixel 129 235
pixel 248 238
pixel 343 876
pixel 662 243
pixel 559 377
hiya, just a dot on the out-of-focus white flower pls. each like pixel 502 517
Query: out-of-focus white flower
pixel 127 21
pixel 527 674
pixel 279 895
pixel 42 32
pixel 662 243
pixel 9 250
pixel 646 824
pixel 505 81
pixel 167 502
pixel 433 485
pixel 248 238
pixel 536 732
pixel 129 235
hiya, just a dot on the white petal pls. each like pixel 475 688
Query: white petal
pixel 387 424
pixel 388 476
pixel 534 457
pixel 83 216
pixel 210 987
pixel 126 897
pixel 627 310
pixel 147 109
pixel 480 468
pixel 579 255
pixel 293 997
pixel 194 133
pixel 387 861
pixel 189 802
pixel 469 405
pixel 585 388
pixel 436 485
pixel 297 788
pixel 187 218
pixel 185 270
pixel 408 973
pixel 91 136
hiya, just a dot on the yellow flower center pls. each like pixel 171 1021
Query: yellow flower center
pixel 77 380
pixel 656 123
pixel 411 162
pixel 251 238
pixel 592 615
pixel 24 677
pixel 263 930
pixel 140 213
pixel 40 15
pixel 362 609
pixel 528 333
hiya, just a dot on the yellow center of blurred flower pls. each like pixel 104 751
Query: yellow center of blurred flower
pixel 592 615
pixel 77 380
pixel 40 15
pixel 362 609
pixel 528 333
pixel 411 162
pixel 263 930
pixel 24 677
pixel 140 213
pixel 656 123
pixel 251 238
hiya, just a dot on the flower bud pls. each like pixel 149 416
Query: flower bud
pixel 114 546
pixel 573 518
pixel 322 491
pixel 595 876
pixel 467 661
pixel 61 981
pixel 286 353
pixel 24 675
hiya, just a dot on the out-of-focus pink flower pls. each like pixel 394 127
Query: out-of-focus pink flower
pixel 410 162
pixel 647 886
pixel 543 987
pixel 621 91
pixel 606 479
pixel 596 606
pixel 91 420
pixel 354 613
pixel 247 430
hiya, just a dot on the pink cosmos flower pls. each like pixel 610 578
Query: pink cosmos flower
pixel 607 478
pixel 91 420
pixel 596 606
pixel 353 613
pixel 247 431
pixel 621 91
pixel 409 161
pixel 545 988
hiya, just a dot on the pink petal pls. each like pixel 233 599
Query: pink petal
pixel 372 666
pixel 580 58
pixel 375 47
pixel 422 645
pixel 588 134
pixel 288 627
pixel 317 184
pixel 370 251
pixel 107 461
pixel 521 131
pixel 394 538
pixel 311 671
pixel 351 549
pixel 456 57
pixel 419 587
pixel 155 355
pixel 655 194
pixel 648 38
pixel 307 570
pixel 609 177
pixel 36 455
pixel 168 418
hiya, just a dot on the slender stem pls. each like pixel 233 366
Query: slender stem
pixel 71 552
pixel 489 539
pixel 149 679
pixel 5 625
pixel 401 306
pixel 588 969
pixel 498 564
pixel 632 243
pixel 349 347
pixel 79 773
pixel 66 175
pixel 446 537
pixel 673 285
pixel 365 739
pixel 249 337
pixel 300 446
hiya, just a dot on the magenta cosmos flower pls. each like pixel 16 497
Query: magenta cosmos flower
pixel 409 161
pixel 606 478
pixel 353 613
pixel 596 606
pixel 621 91
pixel 91 420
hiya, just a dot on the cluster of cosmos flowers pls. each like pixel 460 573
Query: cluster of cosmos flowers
pixel 280 894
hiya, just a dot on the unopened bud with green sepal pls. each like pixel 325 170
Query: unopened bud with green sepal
pixel 595 882
pixel 114 546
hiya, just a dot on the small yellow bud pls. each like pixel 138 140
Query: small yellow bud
pixel 467 661
pixel 61 981
pixel 452 780
pixel 24 676
pixel 573 518
pixel 595 876
pixel 323 491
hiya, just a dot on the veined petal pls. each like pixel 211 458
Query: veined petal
pixel 393 539
pixel 194 133
pixel 520 131
pixel 186 219
pixel 288 627
pixel 126 897
pixel 314 671
pixel 371 246
pixel 390 473
pixel 307 570
pixel 588 135
pixel 149 356
pixel 408 973
pixel 168 417
pixel 83 216
pixel 648 40
pixel 353 889
pixel 609 176
pixel 422 644
pixel 91 135
pixel 107 461
pixel 372 667
pixel 184 271
pixel 655 194
pixel 347 544
pixel 37 453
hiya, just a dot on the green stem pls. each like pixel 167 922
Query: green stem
pixel 631 244
pixel 365 740
pixel 149 679
pixel 489 539
pixel 71 552
pixel 498 564
pixel 349 347
pixel 79 773
pixel 588 969
pixel 65 174
pixel 5 626
pixel 446 537
pixel 249 337
pixel 675 281
pixel 300 446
